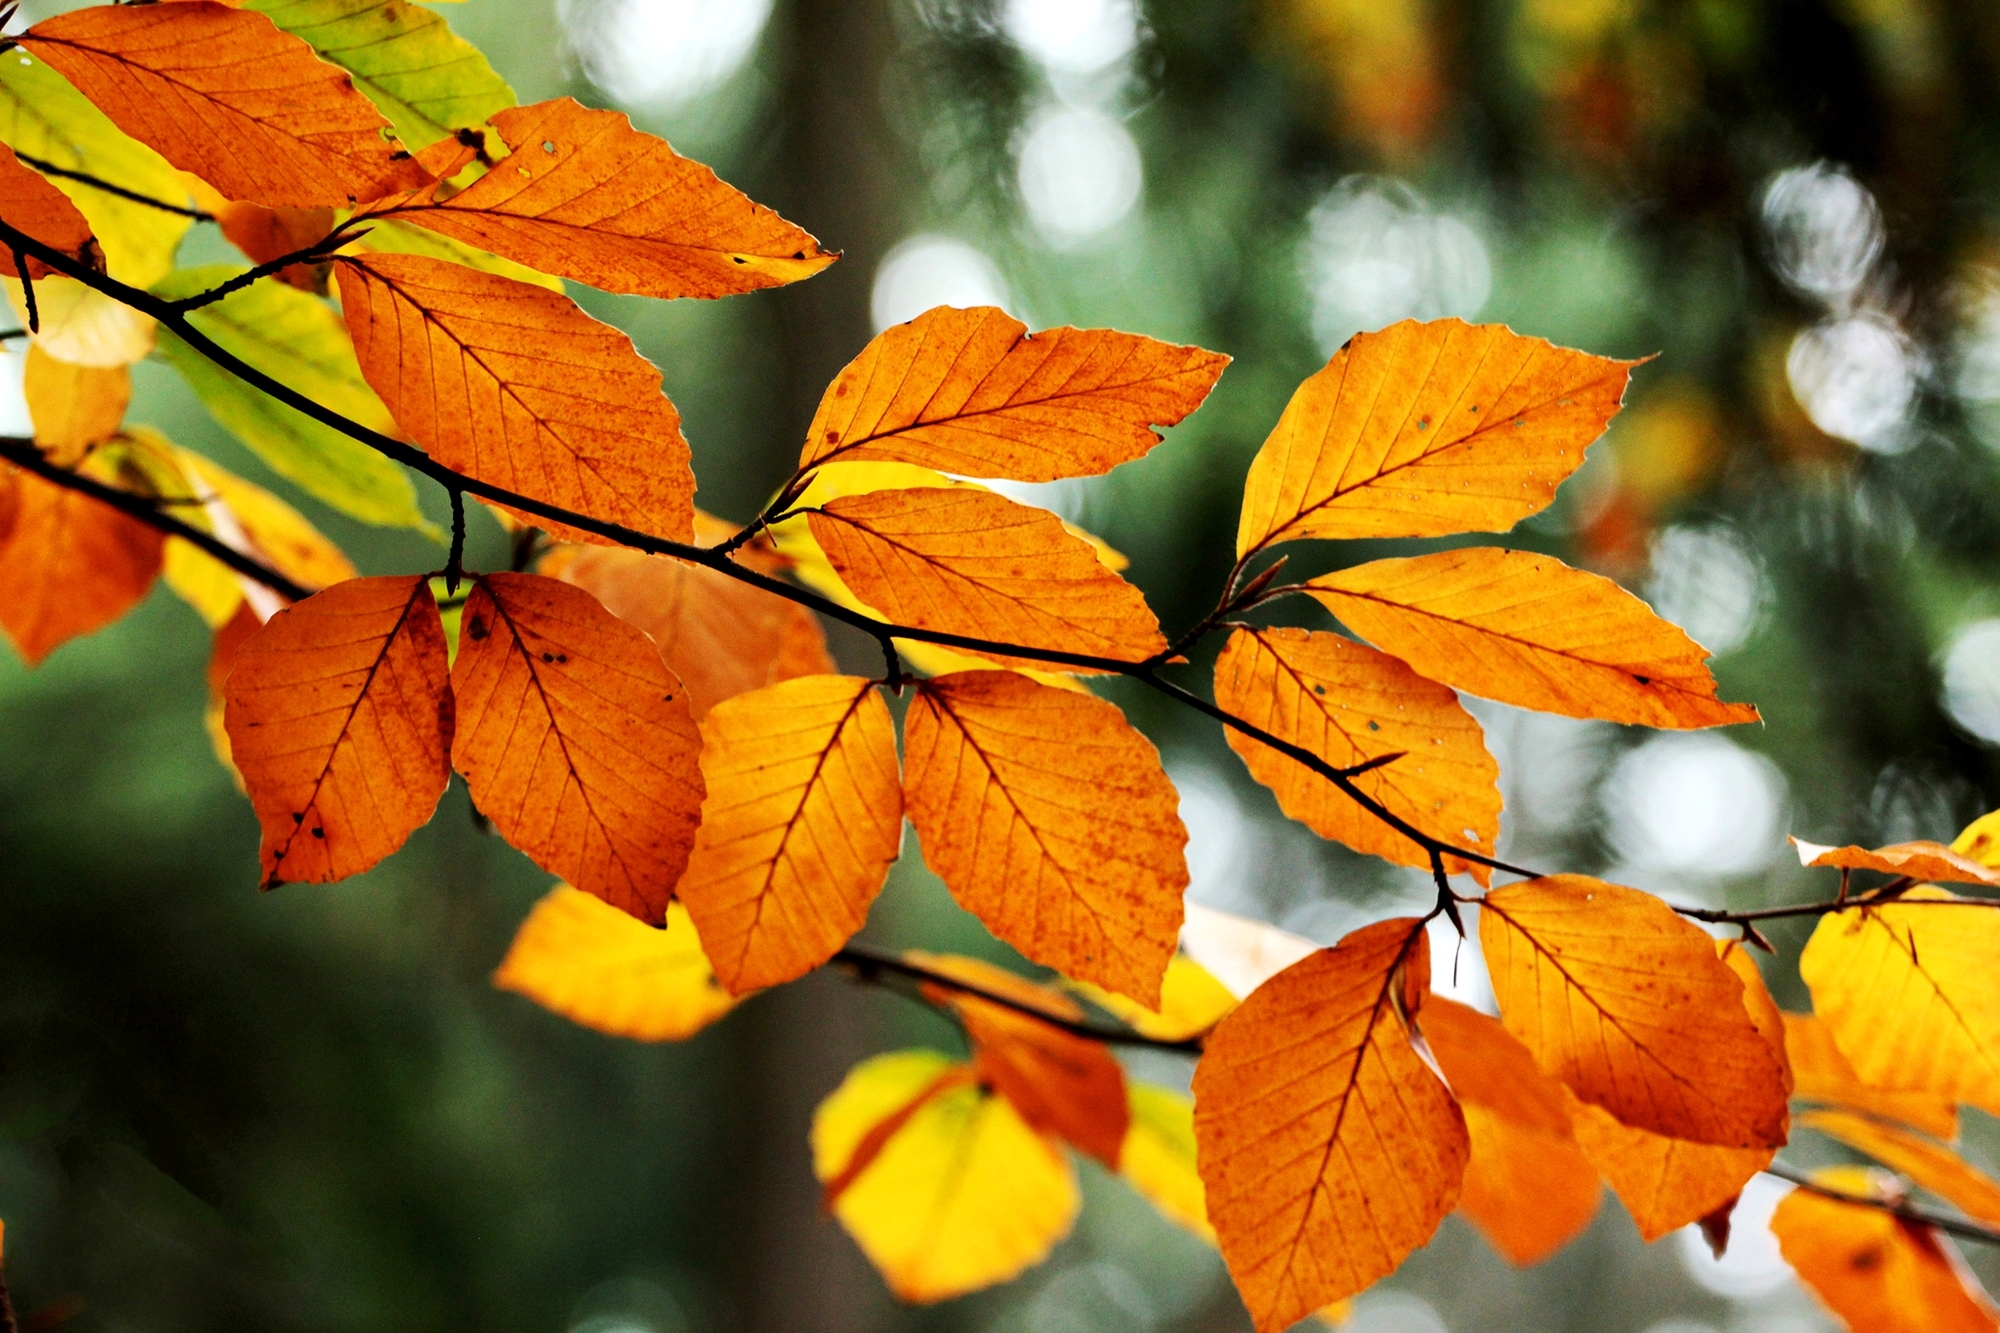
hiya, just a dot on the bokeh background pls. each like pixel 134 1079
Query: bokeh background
pixel 309 1110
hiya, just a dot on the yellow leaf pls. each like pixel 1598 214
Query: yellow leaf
pixel 1628 1004
pixel 1926 1161
pixel 963 1195
pixel 1823 1075
pixel 81 326
pixel 1426 429
pixel 1910 994
pixel 1526 629
pixel 1349 704
pixel 1242 954
pixel 1158 1159
pixel 1328 1148
pixel 1050 819
pixel 73 407
pixel 595 965
pixel 1980 840
pixel 1191 1002
pixel 803 817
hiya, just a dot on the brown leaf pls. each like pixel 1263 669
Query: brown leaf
pixel 71 566
pixel 340 720
pixel 1628 1004
pixel 803 818
pixel 585 196
pixel 1348 704
pixel 28 203
pixel 1526 629
pixel 1918 860
pixel 515 385
pixel 225 94
pixel 972 392
pixel 576 741
pixel 1426 429
pixel 73 407
pixel 965 561
pixel 1328 1148
pixel 1050 819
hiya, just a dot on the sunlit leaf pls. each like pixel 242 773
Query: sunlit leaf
pixel 1822 1074
pixel 73 407
pixel 1918 860
pixel 70 565
pixel 1191 1002
pixel 1240 953
pixel 31 205
pixel 1924 1160
pixel 81 326
pixel 1159 1156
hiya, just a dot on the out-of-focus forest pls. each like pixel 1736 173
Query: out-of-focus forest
pixel 310 1110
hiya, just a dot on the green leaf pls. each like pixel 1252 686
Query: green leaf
pixel 424 77
pixel 43 117
pixel 298 340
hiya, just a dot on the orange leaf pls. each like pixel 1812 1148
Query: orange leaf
pixel 972 392
pixel 1824 1075
pixel 1425 429
pixel 1050 819
pixel 70 566
pixel 1528 1187
pixel 576 741
pixel 28 203
pixel 1526 629
pixel 1909 993
pixel 225 94
pixel 340 719
pixel 1328 1148
pixel 585 196
pixel 803 818
pixel 1874 1270
pixel 513 384
pixel 265 234
pixel 720 636
pixel 1627 1003
pixel 1348 704
pixel 73 407
pixel 230 636
pixel 1918 860
pixel 1061 1083
pixel 970 562
pixel 1926 1161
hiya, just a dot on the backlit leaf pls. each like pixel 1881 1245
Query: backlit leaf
pixel 1191 1002
pixel 70 565
pixel 268 234
pixel 1348 704
pixel 584 959
pixel 30 204
pixel 82 326
pixel 275 531
pixel 224 94
pixel 1910 995
pixel 73 407
pixel 1929 1163
pixel 1328 1148
pixel 1918 860
pixel 1823 1075
pixel 972 392
pixel 1050 819
pixel 1425 429
pixel 1528 1187
pixel 1980 840
pixel 299 341
pixel 389 237
pixel 576 741
pixel 584 195
pixel 1628 1004
pixel 1526 629
pixel 722 637
pixel 963 1195
pixel 1877 1272
pixel 969 562
pixel 803 818
pixel 1240 953
pixel 515 385
pixel 340 721
pixel 1159 1157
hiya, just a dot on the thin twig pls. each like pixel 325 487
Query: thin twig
pixel 28 291
pixel 318 250
pixel 1963 1228
pixel 454 565
pixel 98 183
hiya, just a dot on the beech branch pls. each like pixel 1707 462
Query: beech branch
pixel 1963 1228
pixel 99 183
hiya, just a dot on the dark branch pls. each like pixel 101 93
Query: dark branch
pixel 24 454
pixel 318 250
pixel 1963 1228
pixel 97 183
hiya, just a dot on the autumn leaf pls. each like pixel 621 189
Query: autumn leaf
pixel 584 195
pixel 584 959
pixel 1917 860
pixel 963 1195
pixel 973 392
pixel 1931 1164
pixel 81 326
pixel 1874 1270
pixel 1062 1084
pixel 1526 629
pixel 969 562
pixel 1425 429
pixel 1240 953
pixel 803 818
pixel 721 636
pixel 224 94
pixel 1050 819
pixel 70 565
pixel 1349 704
pixel 515 385
pixel 1628 1004
pixel 268 234
pixel 1980 840
pixel 1528 1187
pixel 1822 1074
pixel 576 741
pixel 340 721
pixel 1910 995
pixel 30 204
pixel 1158 1159
pixel 1191 1002
pixel 72 407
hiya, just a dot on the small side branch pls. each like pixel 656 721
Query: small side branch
pixel 454 565
pixel 1963 1228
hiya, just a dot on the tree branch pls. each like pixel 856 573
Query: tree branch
pixel 1963 1228
pixel 97 183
